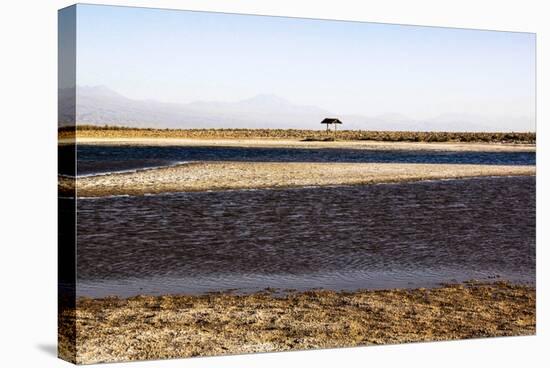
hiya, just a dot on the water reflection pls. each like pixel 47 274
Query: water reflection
pixel 387 235
pixel 101 159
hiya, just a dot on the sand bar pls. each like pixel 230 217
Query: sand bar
pixel 203 176
pixel 149 327
pixel 296 143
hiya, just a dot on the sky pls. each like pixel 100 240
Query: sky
pixel 344 67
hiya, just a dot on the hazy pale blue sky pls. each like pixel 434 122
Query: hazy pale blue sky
pixel 344 67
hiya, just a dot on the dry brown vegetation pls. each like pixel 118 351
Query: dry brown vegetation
pixel 92 131
pixel 149 327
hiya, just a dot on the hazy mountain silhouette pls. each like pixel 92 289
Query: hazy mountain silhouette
pixel 99 105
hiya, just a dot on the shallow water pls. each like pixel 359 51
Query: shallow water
pixel 371 236
pixel 97 159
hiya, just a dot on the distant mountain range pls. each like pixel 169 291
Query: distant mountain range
pixel 100 105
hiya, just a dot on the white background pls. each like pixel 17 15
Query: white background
pixel 28 108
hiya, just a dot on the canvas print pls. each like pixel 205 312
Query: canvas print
pixel 238 183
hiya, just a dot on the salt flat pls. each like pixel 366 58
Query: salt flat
pixel 224 175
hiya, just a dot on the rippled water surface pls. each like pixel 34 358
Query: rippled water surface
pixel 96 159
pixel 372 236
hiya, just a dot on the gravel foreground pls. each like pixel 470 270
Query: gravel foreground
pixel 172 326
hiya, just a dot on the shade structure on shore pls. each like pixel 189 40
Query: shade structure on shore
pixel 331 121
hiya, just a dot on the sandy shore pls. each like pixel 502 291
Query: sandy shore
pixel 115 132
pixel 205 176
pixel 147 327
pixel 296 143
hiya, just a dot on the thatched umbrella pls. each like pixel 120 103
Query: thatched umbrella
pixel 330 121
